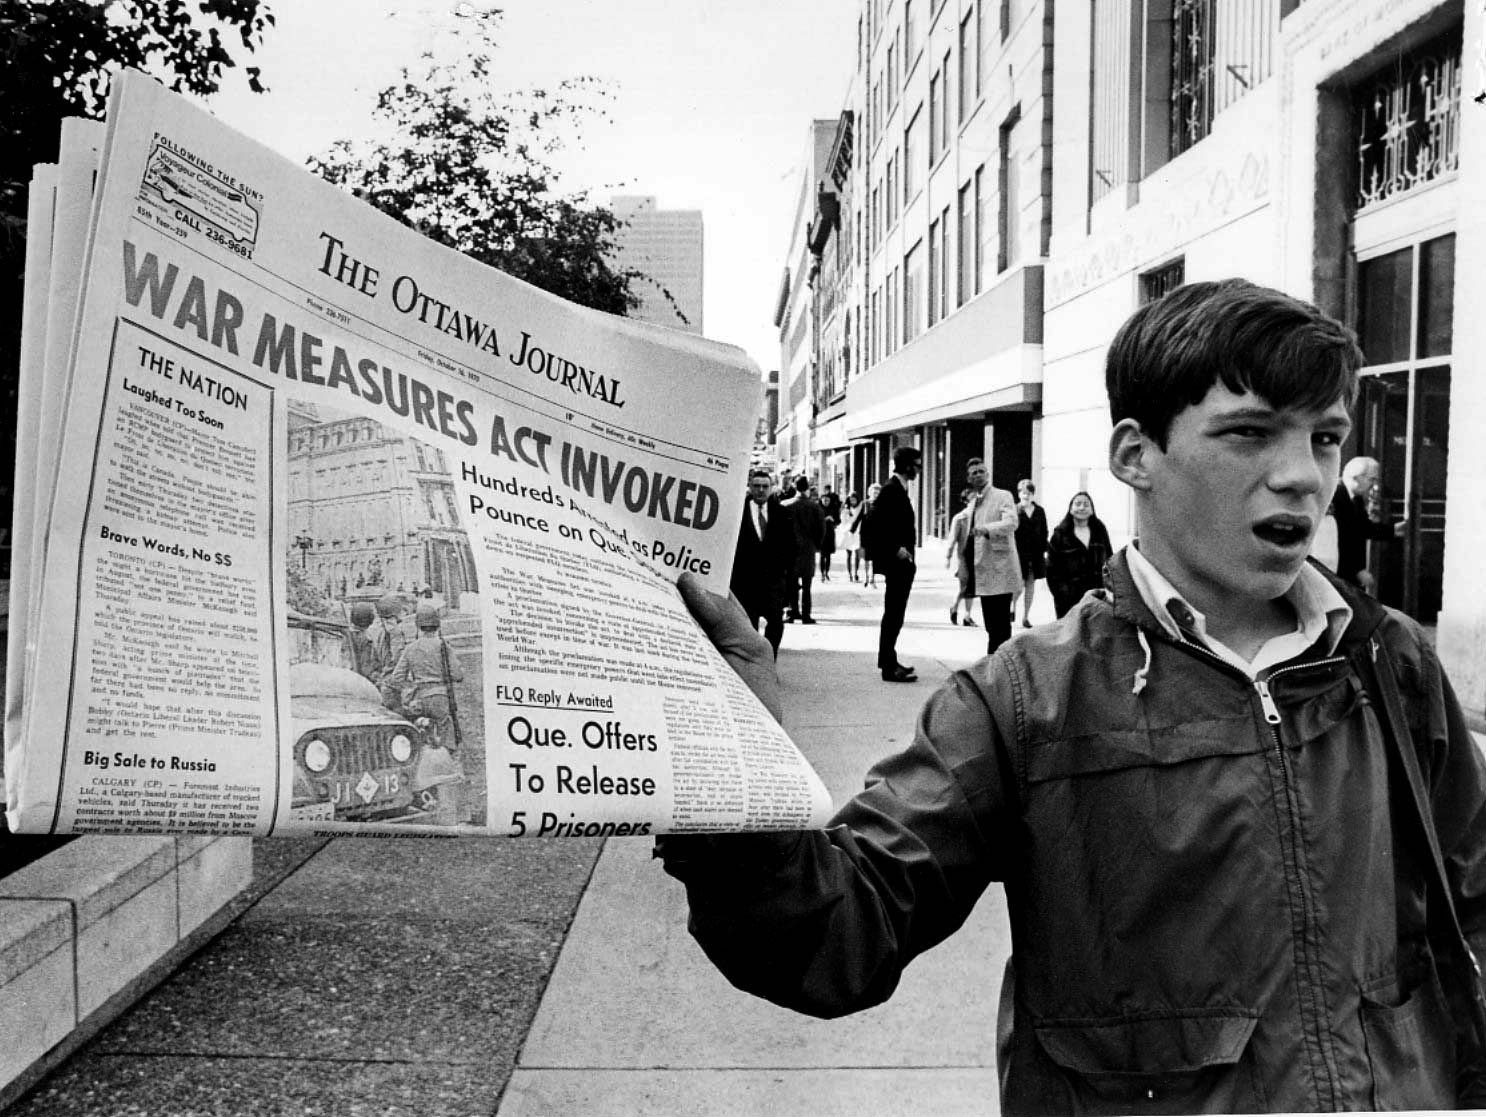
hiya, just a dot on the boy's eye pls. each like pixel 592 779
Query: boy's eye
pixel 1329 439
pixel 1246 432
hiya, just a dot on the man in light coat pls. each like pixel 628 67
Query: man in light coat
pixel 998 571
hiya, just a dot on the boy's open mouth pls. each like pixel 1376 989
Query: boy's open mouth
pixel 1284 531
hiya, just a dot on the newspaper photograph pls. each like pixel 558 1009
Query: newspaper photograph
pixel 354 534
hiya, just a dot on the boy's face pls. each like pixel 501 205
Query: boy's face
pixel 1237 495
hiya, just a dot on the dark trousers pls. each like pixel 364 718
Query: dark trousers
pixel 769 605
pixel 897 582
pixel 995 610
pixel 799 588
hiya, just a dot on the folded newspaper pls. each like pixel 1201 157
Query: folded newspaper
pixel 332 528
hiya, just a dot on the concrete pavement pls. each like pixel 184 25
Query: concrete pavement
pixel 636 1020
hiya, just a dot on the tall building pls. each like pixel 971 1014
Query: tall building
pixel 796 309
pixel 927 245
pixel 665 245
pixel 1019 184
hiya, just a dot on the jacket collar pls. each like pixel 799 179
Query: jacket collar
pixel 1128 605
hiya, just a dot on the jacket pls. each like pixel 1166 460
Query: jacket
pixel 761 566
pixel 1074 569
pixel 1217 900
pixel 810 529
pixel 997 568
pixel 893 524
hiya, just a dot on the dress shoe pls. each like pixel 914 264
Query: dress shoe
pixel 968 623
pixel 954 618
pixel 899 675
pixel 807 620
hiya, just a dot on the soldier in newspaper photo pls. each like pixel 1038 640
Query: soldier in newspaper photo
pixel 373 520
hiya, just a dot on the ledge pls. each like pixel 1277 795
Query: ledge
pixel 89 928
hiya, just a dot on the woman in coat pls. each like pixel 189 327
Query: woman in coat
pixel 954 559
pixel 1076 554
pixel 1031 543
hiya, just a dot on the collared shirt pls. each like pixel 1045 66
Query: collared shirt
pixel 1322 613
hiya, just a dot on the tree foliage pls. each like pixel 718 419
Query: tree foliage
pixel 56 58
pixel 470 165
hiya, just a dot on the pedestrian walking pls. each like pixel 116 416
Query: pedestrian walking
pixel 1031 544
pixel 893 540
pixel 764 557
pixel 997 573
pixel 809 522
pixel 863 527
pixel 960 557
pixel 851 541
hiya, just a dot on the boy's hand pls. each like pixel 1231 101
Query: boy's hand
pixel 726 625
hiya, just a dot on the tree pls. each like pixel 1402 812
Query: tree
pixel 56 57
pixel 468 165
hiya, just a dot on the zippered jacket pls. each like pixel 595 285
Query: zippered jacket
pixel 1216 892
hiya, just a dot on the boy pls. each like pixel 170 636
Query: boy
pixel 1221 895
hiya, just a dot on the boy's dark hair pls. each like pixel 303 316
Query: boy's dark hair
pixel 1170 352
pixel 802 484
pixel 903 455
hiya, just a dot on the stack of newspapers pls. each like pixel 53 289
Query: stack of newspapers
pixel 322 526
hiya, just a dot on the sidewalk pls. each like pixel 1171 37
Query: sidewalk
pixel 636 1020
pixel 412 978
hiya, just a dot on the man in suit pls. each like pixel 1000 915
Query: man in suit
pixel 894 540
pixel 764 557
pixel 810 528
pixel 1354 526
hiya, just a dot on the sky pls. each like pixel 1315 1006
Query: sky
pixel 710 108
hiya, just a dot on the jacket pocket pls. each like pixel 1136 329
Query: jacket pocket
pixel 1410 1048
pixel 1189 1062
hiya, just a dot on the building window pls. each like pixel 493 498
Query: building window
pixel 1192 58
pixel 1161 74
pixel 890 310
pixel 944 262
pixel 910 32
pixel 965 249
pixel 1409 123
pixel 1009 219
pixel 980 204
pixel 892 189
pixel 1109 138
pixel 913 146
pixel 944 69
pixel 934 251
pixel 1161 281
pixel 936 110
pixel 891 77
pixel 913 291
pixel 980 44
pixel 967 65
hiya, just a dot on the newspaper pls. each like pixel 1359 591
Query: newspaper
pixel 353 534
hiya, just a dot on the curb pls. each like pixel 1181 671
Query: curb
pixel 91 927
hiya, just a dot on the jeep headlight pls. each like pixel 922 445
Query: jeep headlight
pixel 402 748
pixel 317 755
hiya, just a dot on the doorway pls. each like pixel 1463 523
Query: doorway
pixel 1405 425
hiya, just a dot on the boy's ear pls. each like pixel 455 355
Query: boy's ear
pixel 1130 449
